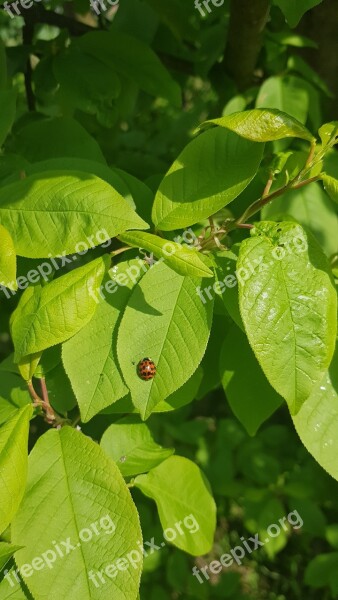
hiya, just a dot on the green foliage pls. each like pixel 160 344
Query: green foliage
pixel 117 133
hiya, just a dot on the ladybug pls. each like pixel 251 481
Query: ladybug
pixel 146 369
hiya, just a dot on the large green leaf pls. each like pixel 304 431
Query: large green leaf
pixel 7 260
pixel 211 171
pixel 53 213
pixel 295 9
pixel 51 314
pixel 263 125
pixel 289 307
pixel 182 494
pixel 76 493
pixel 133 59
pixel 131 445
pixel 7 112
pixel 248 392
pixel 13 463
pixel 166 321
pixel 95 375
pixel 184 260
pixel 305 205
pixel 317 421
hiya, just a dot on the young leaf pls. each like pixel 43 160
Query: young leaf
pixel 7 113
pixel 166 321
pixel 6 552
pixel 7 260
pixel 54 212
pixel 48 315
pixel 95 377
pixel 251 397
pixel 263 125
pixel 289 307
pixel 131 445
pixel 13 463
pixel 328 133
pixel 182 492
pixel 317 421
pixel 211 171
pixel 79 493
pixel 182 259
pixel 330 186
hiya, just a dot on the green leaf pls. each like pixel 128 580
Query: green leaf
pixel 294 10
pixel 328 133
pixel 263 125
pixel 296 63
pixel 305 205
pixel 180 491
pixel 13 394
pixel 317 421
pixel 69 139
pixel 13 464
pixel 79 493
pixel 131 445
pixel 10 589
pixel 184 395
pixel 226 275
pixel 330 186
pixel 7 113
pixel 89 357
pixel 197 185
pixel 251 397
pixel 60 392
pixel 288 94
pixel 181 258
pixel 133 59
pixel 86 83
pixel 321 570
pixel 289 307
pixel 55 213
pixel 7 260
pixel 166 321
pixel 51 314
pixel 6 552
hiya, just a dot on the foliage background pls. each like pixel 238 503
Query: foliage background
pixel 237 57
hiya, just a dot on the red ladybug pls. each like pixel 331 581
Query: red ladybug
pixel 146 369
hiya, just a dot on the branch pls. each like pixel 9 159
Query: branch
pixel 38 14
pixel 27 37
pixel 247 21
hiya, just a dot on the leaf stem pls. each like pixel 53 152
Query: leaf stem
pixel 258 204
